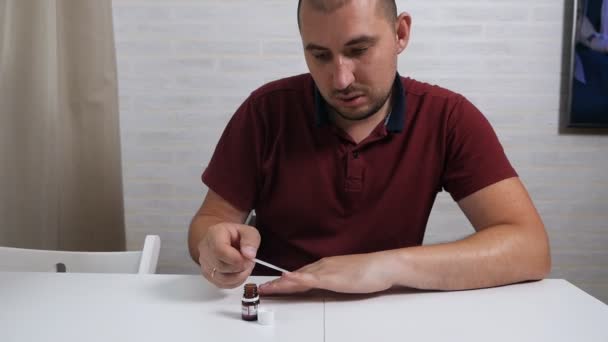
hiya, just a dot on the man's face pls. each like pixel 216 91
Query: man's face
pixel 351 53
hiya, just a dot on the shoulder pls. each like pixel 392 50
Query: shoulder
pixel 432 105
pixel 437 107
pixel 284 88
pixel 272 104
pixel 429 92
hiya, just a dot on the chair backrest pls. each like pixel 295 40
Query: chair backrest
pixel 251 219
pixel 36 260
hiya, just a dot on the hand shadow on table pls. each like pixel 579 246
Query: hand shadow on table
pixel 330 296
pixel 319 294
pixel 188 290
pixel 230 314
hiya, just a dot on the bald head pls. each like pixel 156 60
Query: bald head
pixel 386 8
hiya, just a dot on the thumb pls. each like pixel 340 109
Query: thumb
pixel 249 241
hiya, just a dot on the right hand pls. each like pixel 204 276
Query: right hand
pixel 229 249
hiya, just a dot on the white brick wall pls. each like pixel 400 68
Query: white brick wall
pixel 186 65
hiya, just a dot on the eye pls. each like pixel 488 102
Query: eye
pixel 322 56
pixel 358 51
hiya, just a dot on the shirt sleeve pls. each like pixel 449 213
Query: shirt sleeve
pixel 233 171
pixel 475 158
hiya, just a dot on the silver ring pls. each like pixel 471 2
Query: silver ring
pixel 213 272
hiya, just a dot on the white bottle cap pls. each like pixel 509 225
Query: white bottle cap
pixel 265 317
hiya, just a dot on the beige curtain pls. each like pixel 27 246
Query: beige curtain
pixel 60 172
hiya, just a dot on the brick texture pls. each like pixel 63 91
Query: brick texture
pixel 185 66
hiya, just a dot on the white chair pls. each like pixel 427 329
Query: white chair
pixel 37 260
pixel 251 219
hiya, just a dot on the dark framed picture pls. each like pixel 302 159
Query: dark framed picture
pixel 587 105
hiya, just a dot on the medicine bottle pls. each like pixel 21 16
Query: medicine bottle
pixel 250 302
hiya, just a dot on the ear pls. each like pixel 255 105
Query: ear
pixel 402 31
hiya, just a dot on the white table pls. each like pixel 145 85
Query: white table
pixel 549 310
pixel 102 307
pixel 71 307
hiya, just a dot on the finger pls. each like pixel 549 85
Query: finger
pixel 231 280
pixel 227 268
pixel 209 260
pixel 208 272
pixel 306 279
pixel 224 256
pixel 210 266
pixel 282 286
pixel 221 249
pixel 249 241
pixel 225 280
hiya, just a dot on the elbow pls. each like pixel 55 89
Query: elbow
pixel 542 268
pixel 541 258
pixel 546 264
pixel 193 243
pixel 193 254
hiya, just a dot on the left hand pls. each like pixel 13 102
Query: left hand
pixel 358 273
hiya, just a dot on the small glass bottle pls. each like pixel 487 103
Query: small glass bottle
pixel 250 302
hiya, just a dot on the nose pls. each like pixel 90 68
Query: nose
pixel 343 75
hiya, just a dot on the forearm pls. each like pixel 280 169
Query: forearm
pixel 495 256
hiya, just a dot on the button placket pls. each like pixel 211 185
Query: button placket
pixel 354 172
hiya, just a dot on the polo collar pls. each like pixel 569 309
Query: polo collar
pixel 396 118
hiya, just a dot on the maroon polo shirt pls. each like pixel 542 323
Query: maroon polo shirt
pixel 317 193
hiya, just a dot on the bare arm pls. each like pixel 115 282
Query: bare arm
pixel 218 239
pixel 510 246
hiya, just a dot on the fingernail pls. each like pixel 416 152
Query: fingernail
pixel 249 251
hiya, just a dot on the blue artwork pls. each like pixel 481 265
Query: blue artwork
pixel 589 91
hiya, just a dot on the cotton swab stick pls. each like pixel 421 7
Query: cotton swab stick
pixel 270 265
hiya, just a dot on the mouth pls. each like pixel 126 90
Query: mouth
pixel 351 100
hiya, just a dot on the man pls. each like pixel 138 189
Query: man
pixel 342 166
